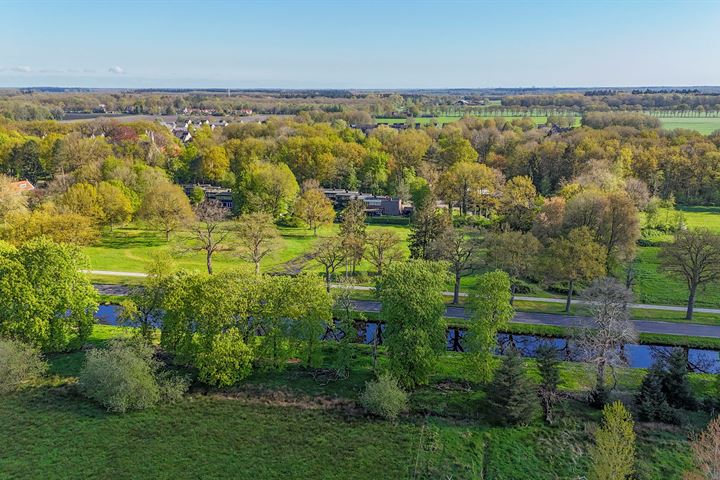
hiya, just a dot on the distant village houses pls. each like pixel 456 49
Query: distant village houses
pixel 212 193
pixel 374 205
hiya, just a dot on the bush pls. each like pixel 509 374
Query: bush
pixel 226 362
pixel 125 377
pixel 19 363
pixel 384 397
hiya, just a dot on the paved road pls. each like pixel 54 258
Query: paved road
pixel 569 321
pixel 364 288
pixel 551 319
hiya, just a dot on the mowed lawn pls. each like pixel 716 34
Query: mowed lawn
pixel 132 249
pixel 704 125
pixel 538 119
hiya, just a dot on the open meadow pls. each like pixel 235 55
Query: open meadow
pixel 704 125
pixel 131 249
pixel 289 425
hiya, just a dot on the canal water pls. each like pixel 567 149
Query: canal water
pixel 637 356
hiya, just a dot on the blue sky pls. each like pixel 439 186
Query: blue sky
pixel 358 44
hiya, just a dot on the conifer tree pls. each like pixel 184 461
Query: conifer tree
pixel 511 394
pixel 676 384
pixel 549 366
pixel 651 401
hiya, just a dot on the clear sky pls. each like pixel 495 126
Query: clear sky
pixel 358 44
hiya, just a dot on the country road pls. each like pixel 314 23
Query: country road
pixel 570 321
pixel 365 288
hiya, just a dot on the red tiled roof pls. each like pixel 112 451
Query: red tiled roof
pixel 23 186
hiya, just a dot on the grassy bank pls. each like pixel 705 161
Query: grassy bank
pixel 290 425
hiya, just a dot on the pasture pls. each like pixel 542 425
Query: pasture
pixel 453 118
pixel 704 125
pixel 288 425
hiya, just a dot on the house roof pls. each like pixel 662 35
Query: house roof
pixel 22 186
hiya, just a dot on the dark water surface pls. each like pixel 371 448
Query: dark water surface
pixel 637 356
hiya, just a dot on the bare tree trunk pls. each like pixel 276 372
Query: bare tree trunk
pixel 691 302
pixel 327 279
pixel 569 296
pixel 456 290
pixel 257 268
pixel 512 293
pixel 376 340
pixel 600 380
pixel 209 263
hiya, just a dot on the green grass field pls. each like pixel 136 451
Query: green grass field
pixel 449 119
pixel 132 249
pixel 288 425
pixel 703 125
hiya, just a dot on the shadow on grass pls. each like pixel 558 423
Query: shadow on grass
pixel 121 239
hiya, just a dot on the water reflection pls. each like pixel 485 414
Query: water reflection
pixel 637 356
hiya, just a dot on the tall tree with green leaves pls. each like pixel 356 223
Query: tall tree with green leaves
pixel 491 311
pixel 574 258
pixel 207 322
pixel 166 208
pixel 425 226
pixel 256 233
pixel 384 247
pixel 352 232
pixel 47 301
pixel 314 208
pixel 412 306
pixel 613 455
pixel 210 233
pixel 513 252
pixel 143 307
pixel 460 248
pixel 694 256
pixel 330 253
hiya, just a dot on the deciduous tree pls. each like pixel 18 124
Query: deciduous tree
pixel 166 208
pixel 210 233
pixel 459 248
pixel 613 455
pixel 383 248
pixel 314 208
pixel 706 450
pixel 513 252
pixel 576 257
pixel 330 253
pixel 694 256
pixel 491 311
pixel 413 307
pixel 48 301
pixel 257 233
pixel 608 302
